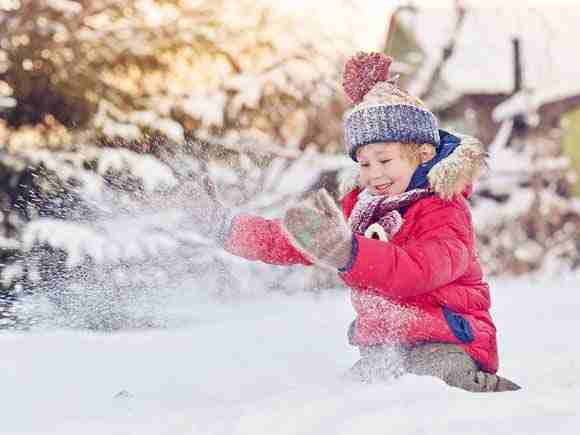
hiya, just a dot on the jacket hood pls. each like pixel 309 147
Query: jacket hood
pixel 459 161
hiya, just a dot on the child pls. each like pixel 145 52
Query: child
pixel 407 246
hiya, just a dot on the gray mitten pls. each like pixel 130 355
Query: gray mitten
pixel 318 229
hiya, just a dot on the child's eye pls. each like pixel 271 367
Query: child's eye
pixel 385 161
pixel 364 165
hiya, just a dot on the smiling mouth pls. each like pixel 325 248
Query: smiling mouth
pixel 383 187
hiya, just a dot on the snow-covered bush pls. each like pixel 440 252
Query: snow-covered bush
pixel 108 107
pixel 121 71
pixel 526 216
pixel 106 230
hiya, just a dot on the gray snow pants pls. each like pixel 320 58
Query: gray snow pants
pixel 448 362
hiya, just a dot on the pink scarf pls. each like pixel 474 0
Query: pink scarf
pixel 373 212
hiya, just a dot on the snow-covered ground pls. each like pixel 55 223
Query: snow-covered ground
pixel 273 364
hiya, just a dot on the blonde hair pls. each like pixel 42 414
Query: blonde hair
pixel 413 152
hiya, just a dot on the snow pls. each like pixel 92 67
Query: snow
pixel 486 210
pixel 273 364
pixel 520 103
pixel 61 234
pixel 208 108
pixel 340 17
pixel 65 6
pixel 153 173
pixel 548 33
pixel 172 129
pixel 527 102
pixel 126 131
pixel 10 273
pixel 7 102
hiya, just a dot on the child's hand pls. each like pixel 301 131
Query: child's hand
pixel 317 227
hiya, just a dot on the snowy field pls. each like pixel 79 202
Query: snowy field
pixel 274 365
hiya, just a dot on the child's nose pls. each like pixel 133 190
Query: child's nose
pixel 376 171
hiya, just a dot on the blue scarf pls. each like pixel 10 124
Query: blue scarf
pixel 447 145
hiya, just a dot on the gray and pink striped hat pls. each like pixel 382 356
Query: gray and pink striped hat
pixel 382 112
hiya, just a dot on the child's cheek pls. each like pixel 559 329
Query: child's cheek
pixel 363 179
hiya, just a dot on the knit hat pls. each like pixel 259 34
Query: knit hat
pixel 382 111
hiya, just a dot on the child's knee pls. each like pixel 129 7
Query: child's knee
pixel 438 359
pixel 377 363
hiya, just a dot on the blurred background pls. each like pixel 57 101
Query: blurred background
pixel 109 109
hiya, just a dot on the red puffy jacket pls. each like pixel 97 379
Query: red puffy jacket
pixel 425 285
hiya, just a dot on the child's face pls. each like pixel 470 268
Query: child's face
pixel 384 169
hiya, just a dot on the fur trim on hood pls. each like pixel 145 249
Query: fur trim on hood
pixel 451 176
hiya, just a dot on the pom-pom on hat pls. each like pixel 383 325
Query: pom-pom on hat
pixel 382 112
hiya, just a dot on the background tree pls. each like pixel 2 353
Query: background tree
pixel 177 88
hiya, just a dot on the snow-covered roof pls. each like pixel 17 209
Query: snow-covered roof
pixel 483 58
pixel 528 102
